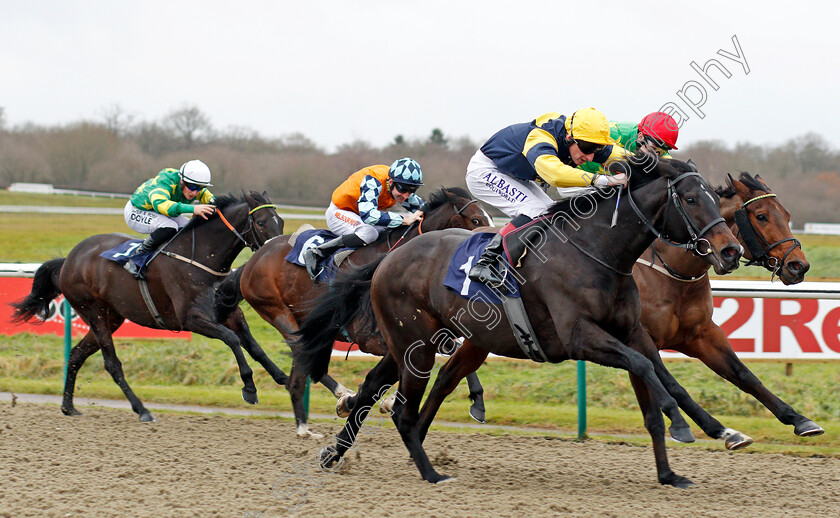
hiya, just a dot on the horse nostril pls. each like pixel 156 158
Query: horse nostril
pixel 795 267
pixel 730 252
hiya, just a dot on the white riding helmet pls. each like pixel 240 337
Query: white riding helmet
pixel 195 172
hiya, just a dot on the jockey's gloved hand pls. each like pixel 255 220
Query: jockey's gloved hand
pixel 605 180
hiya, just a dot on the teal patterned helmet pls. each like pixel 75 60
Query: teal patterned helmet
pixel 406 171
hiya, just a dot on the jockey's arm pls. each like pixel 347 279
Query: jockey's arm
pixel 369 192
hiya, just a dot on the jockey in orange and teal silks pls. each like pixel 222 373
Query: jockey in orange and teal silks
pixel 359 207
pixel 159 205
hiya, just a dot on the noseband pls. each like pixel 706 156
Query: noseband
pixel 695 232
pixel 758 246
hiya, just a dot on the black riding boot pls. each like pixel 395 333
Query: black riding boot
pixel 485 269
pixel 313 256
pixel 155 239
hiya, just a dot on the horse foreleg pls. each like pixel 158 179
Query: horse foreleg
pixel 383 374
pixel 81 352
pixel 591 343
pixel 641 341
pixel 466 360
pixel 656 427
pixel 712 348
pixel 236 322
pixel 200 322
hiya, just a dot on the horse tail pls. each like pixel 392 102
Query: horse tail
pixel 228 295
pixel 346 302
pixel 44 290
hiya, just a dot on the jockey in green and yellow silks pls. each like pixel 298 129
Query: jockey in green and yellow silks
pixel 159 205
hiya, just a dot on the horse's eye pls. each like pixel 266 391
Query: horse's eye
pixel 761 217
pixel 476 222
pixel 260 223
pixel 691 200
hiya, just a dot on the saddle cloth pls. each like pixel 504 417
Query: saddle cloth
pixel 463 259
pixel 310 238
pixel 120 253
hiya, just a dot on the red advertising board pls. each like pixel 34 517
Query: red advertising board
pixel 13 289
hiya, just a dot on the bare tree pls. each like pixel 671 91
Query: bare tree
pixel 117 120
pixel 189 124
pixel 2 118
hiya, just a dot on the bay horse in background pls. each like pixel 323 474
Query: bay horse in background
pixel 279 291
pixel 676 293
pixel 579 291
pixel 180 283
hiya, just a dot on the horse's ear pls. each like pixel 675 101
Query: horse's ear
pixel 729 181
pixel 692 165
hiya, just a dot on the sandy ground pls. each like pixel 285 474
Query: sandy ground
pixel 105 463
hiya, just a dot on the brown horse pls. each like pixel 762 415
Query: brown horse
pixel 677 297
pixel 581 299
pixel 180 286
pixel 279 290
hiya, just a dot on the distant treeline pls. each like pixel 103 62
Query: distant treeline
pixel 116 154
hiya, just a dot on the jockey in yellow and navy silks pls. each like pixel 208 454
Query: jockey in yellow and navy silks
pixel 550 147
pixel 158 206
pixel 359 207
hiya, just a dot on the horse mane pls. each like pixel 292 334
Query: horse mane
pixel 439 197
pixel 746 179
pixel 436 200
pixel 223 201
pixel 638 178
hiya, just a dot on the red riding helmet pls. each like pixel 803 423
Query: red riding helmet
pixel 661 127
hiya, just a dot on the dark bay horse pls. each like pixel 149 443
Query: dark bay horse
pixel 677 296
pixel 180 284
pixel 581 299
pixel 280 291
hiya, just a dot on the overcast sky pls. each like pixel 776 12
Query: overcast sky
pixel 338 71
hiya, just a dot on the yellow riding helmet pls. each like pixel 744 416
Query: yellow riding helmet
pixel 589 125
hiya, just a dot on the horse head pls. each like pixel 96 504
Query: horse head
pixel 263 221
pixel 763 226
pixel 690 217
pixel 453 207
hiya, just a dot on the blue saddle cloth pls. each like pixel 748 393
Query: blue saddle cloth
pixel 310 239
pixel 120 253
pixel 463 259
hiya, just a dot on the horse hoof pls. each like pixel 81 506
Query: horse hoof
pixel 387 405
pixel 735 440
pixel 808 428
pixel 341 409
pixel 445 479
pixel 250 397
pixel 440 479
pixel 304 432
pixel 70 411
pixel 329 459
pixel 680 482
pixel 147 417
pixel 477 414
pixel 681 434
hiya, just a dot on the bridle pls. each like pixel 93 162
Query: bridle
pixel 250 228
pixel 695 232
pixel 758 246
